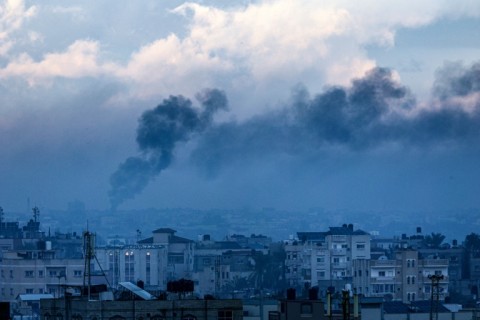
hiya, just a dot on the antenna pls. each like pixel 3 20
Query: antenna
pixel 36 213
pixel 89 247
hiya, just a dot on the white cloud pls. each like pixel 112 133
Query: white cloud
pixel 79 60
pixel 264 48
pixel 12 16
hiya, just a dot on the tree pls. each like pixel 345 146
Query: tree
pixel 269 269
pixel 434 240
pixel 472 242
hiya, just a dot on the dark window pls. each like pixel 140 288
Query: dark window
pixel 273 315
pixel 306 308
pixel 225 315
pixel 189 317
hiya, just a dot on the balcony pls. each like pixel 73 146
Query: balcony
pixel 386 280
pixel 384 263
pixel 339 252
pixel 339 265
pixel 434 263
pixel 426 280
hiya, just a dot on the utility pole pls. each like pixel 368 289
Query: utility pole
pixel 346 304
pixel 435 287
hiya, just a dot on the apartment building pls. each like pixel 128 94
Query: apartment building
pixel 154 260
pixel 325 258
pixel 405 278
pixel 37 272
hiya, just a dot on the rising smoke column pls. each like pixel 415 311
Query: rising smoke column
pixel 159 131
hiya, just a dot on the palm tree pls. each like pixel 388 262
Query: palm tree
pixel 434 240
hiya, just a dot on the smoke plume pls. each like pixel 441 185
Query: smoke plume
pixel 159 131
pixel 374 111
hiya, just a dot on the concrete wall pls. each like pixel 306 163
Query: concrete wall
pixel 136 309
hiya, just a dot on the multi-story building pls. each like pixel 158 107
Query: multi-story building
pixel 37 272
pixel 133 263
pixel 405 278
pixel 32 262
pixel 154 260
pixel 325 258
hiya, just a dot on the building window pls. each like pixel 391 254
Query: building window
pixel 413 263
pixel 225 315
pixel 306 308
pixel 321 259
pixel 29 291
pixel 11 273
pixel 408 280
pixel 114 264
pixel 381 273
pixel 176 258
pixel 77 273
pixel 52 273
pixel 40 273
pixel 29 274
pixel 273 315
pixel 147 268
pixel 360 246
pixel 3 274
pixel 11 291
pixel 130 266
pixel 438 272
pixel 413 280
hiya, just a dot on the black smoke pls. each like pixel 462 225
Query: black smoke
pixel 373 112
pixel 159 131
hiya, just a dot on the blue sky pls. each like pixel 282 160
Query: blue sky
pixel 75 79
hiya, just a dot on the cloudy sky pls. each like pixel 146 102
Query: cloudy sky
pixel 274 103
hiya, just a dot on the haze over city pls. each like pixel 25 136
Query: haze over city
pixel 343 105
